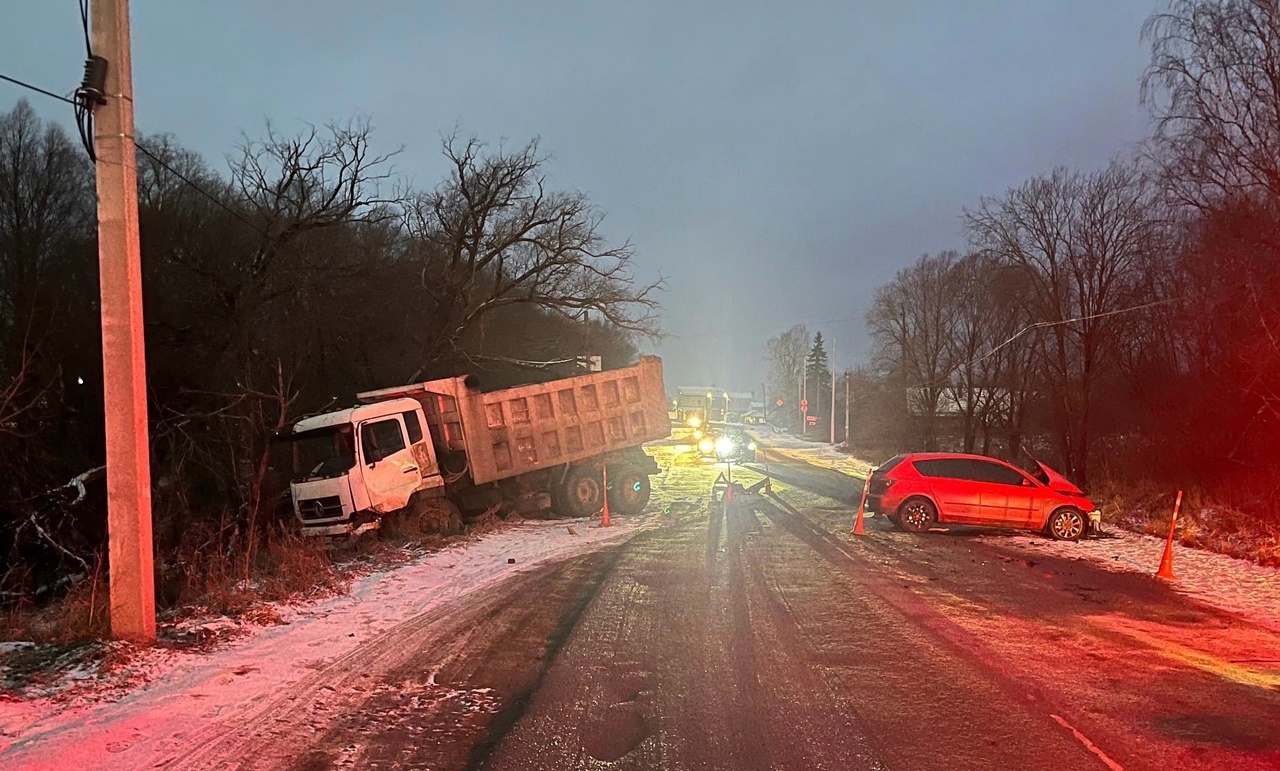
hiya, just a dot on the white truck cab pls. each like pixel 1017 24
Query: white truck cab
pixel 364 460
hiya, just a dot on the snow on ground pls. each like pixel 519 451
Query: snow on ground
pixel 182 689
pixel 814 453
pixel 1233 585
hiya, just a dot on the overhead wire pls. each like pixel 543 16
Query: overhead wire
pixel 84 100
pixel 1077 319
pixel 37 89
pixel 196 186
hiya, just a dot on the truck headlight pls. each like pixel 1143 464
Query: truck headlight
pixel 752 447
pixel 724 446
pixel 694 421
pixel 706 445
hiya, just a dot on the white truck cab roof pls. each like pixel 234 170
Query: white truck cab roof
pixel 354 415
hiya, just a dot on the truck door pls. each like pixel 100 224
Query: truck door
pixel 388 465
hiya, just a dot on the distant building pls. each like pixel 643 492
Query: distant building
pixel 711 405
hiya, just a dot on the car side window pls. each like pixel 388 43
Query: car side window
pixel 943 468
pixel 995 472
pixel 970 470
pixel 413 426
pixel 381 439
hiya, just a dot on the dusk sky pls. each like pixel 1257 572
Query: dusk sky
pixel 776 162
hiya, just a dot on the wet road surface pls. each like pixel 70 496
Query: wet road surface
pixel 762 635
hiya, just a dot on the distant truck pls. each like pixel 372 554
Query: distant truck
pixel 441 449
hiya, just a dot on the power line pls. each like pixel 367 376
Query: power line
pixel 1047 324
pixel 213 198
pixel 84 24
pixel 37 89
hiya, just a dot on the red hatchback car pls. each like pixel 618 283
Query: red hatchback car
pixel 920 490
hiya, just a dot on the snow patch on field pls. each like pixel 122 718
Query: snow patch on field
pixel 168 692
pixel 1230 584
pixel 821 455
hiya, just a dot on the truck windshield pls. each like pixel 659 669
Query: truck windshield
pixel 323 452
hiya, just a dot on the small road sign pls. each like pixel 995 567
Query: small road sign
pixel 804 405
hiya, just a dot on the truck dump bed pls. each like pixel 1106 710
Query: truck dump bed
pixel 506 433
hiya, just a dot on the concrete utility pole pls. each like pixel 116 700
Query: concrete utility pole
pixel 804 394
pixel 848 375
pixel 833 393
pixel 133 606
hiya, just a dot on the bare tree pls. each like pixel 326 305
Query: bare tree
pixel 786 355
pixel 45 214
pixel 293 185
pixel 1213 86
pixel 912 323
pixel 1082 240
pixel 973 334
pixel 494 236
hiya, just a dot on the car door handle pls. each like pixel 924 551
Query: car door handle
pixel 411 469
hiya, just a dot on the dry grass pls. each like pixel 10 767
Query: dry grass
pixel 1203 523
pixel 204 582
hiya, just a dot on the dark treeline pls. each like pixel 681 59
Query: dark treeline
pixel 281 286
pixel 1124 320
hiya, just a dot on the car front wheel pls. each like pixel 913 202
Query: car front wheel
pixel 1066 524
pixel 917 515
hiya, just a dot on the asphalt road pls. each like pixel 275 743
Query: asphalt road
pixel 763 635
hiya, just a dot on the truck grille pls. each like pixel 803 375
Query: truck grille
pixel 313 509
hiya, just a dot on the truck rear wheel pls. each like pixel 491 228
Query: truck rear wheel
pixel 581 494
pixel 629 493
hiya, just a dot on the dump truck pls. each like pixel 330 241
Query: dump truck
pixel 442 450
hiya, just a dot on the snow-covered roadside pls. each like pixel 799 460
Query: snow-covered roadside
pixel 821 455
pixel 184 691
pixel 1234 585
pixel 1230 584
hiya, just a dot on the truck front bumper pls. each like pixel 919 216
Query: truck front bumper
pixel 360 522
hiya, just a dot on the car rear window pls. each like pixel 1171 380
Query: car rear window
pixel 890 464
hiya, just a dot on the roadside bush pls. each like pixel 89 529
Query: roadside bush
pixel 1204 522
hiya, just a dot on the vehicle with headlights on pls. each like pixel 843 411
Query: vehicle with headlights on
pixel 727 445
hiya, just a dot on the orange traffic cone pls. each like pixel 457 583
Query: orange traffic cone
pixel 1166 561
pixel 604 481
pixel 862 503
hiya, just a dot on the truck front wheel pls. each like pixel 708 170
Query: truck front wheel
pixel 581 494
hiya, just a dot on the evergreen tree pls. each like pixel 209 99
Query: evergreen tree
pixel 818 378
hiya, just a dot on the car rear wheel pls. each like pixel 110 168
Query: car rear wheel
pixel 1066 524
pixel 917 515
